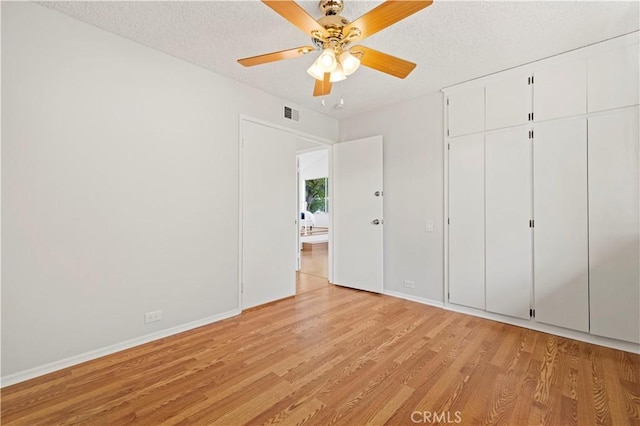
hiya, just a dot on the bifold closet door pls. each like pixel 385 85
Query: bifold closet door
pixel 508 214
pixel 466 221
pixel 561 256
pixel 614 225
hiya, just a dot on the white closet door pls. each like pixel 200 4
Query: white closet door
pixel 466 111
pixel 560 233
pixel 466 226
pixel 560 90
pixel 614 225
pixel 613 79
pixel 508 212
pixel 508 101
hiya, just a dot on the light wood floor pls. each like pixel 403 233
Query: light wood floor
pixel 316 261
pixel 314 270
pixel 343 356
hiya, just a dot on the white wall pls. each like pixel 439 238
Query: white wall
pixel 119 187
pixel 413 191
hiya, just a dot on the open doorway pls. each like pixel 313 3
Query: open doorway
pixel 315 222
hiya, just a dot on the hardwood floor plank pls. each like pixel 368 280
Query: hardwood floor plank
pixel 336 355
pixel 632 401
pixel 294 413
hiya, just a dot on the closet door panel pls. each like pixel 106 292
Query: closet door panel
pixel 560 90
pixel 508 212
pixel 560 233
pixel 614 225
pixel 508 101
pixel 466 111
pixel 613 79
pixel 466 226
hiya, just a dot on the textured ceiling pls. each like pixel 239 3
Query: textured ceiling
pixel 451 41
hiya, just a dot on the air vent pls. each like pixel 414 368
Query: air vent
pixel 291 114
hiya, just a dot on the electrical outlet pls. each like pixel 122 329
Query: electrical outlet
pixel 152 316
pixel 409 284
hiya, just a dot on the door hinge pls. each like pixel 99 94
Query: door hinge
pixel 448 221
pixel 447 132
pixel 528 80
pixel 448 147
pixel 530 134
pixel 447 101
pixel 448 296
pixel 241 287
pixel 531 223
pixel 532 79
pixel 532 313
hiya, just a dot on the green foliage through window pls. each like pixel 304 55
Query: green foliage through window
pixel 316 195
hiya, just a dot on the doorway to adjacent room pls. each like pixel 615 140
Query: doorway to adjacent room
pixel 313 200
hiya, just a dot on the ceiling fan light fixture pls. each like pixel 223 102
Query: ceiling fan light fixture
pixel 349 63
pixel 315 71
pixel 337 74
pixel 327 60
pixel 332 35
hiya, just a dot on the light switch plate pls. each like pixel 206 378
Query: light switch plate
pixel 428 226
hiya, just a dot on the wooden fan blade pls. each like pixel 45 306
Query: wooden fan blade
pixel 275 56
pixel 322 87
pixel 382 62
pixel 295 14
pixel 387 14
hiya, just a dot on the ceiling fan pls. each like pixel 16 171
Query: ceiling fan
pixel 333 35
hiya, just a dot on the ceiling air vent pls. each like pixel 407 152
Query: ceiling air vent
pixel 291 114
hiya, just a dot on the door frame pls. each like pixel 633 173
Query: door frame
pixel 301 135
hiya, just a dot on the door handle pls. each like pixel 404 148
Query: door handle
pixel 376 221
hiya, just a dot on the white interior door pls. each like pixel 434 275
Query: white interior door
pixel 357 214
pixel 614 225
pixel 269 214
pixel 561 255
pixel 509 265
pixel 466 221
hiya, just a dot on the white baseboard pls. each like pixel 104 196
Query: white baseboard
pixel 417 299
pixel 108 350
pixel 545 328
pixel 532 325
